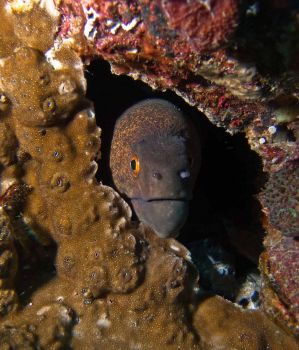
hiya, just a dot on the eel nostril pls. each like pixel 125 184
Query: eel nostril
pixel 157 175
pixel 184 174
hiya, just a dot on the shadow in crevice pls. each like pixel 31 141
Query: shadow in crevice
pixel 36 268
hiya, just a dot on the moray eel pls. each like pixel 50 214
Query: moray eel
pixel 154 162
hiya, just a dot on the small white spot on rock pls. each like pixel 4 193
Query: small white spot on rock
pixel 90 28
pixel 131 24
pixel 90 113
pixel 127 27
pixel 196 289
pixel 174 248
pixel 132 51
pixel 272 129
pixel 55 63
pixel 109 22
pixel 115 28
pixel 65 316
pixel 103 321
pixel 262 140
pixel 188 256
pixel 3 98
pixel 43 310
pixel 50 7
pixel 20 6
pixel 66 87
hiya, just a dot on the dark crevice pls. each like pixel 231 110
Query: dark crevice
pixel 224 206
pixel 36 268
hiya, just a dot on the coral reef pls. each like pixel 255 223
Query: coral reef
pixel 118 285
pixel 245 78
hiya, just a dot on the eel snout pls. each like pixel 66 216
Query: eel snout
pixel 165 216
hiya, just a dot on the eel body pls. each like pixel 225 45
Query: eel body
pixel 154 161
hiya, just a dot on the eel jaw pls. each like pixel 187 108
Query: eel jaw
pixel 164 216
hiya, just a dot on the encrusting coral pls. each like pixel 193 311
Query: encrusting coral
pixel 117 285
pixel 280 200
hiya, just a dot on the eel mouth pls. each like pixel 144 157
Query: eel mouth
pixel 165 216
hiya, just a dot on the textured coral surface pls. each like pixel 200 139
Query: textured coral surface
pixel 116 284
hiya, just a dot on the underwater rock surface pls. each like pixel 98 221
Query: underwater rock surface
pixel 116 284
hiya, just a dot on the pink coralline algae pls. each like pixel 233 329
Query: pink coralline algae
pixel 280 200
pixel 279 266
pixel 205 25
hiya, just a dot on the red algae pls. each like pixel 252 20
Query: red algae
pixel 206 25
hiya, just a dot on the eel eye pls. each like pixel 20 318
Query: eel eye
pixel 135 165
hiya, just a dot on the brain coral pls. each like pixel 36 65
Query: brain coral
pixel 116 285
